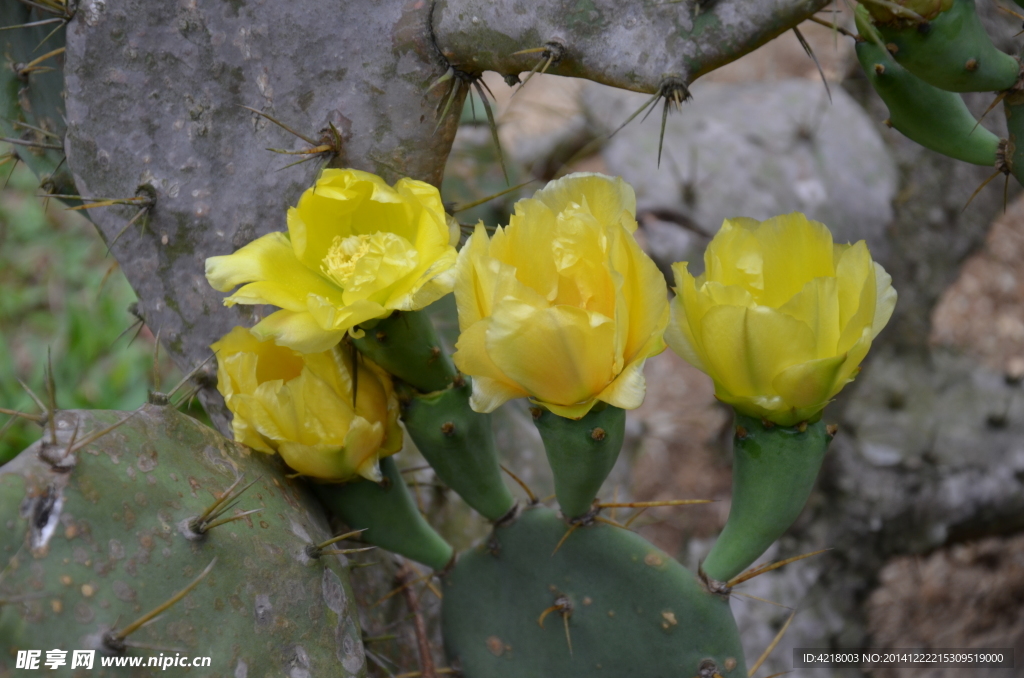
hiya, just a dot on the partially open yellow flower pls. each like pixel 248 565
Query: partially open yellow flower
pixel 356 249
pixel 300 406
pixel 782 317
pixel 562 306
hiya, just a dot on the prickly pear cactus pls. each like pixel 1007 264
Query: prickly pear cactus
pixel 95 540
pixel 602 602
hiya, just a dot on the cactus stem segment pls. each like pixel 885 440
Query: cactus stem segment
pixel 771 646
pixel 522 484
pixel 115 640
pixel 761 569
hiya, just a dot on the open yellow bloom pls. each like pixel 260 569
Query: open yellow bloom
pixel 561 306
pixel 782 317
pixel 356 249
pixel 300 406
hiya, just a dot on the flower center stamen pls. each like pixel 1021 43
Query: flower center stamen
pixel 340 263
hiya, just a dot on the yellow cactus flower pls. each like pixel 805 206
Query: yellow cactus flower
pixel 782 317
pixel 356 249
pixel 561 306
pixel 300 406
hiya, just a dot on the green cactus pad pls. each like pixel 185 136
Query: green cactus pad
pixel 773 473
pixel 953 52
pixel 37 98
pixel 582 453
pixel 635 611
pixel 932 117
pixel 108 541
pixel 406 345
pixel 389 515
pixel 460 447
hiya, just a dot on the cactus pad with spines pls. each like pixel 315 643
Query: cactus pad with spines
pixel 108 541
pixel 634 610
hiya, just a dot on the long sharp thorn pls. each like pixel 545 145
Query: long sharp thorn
pixel 126 331
pixel 750 574
pixel 771 646
pixel 71 441
pixel 763 600
pixel 33 396
pixel 532 50
pixel 834 27
pixel 481 201
pixel 607 521
pixel 224 521
pixel 401 588
pixel 7 426
pixel 448 75
pixel 322 148
pixel 545 613
pixel 341 537
pixel 51 392
pixel 192 373
pixel 18 123
pixel 225 496
pixel 345 552
pixel 978 190
pixel 810 52
pixel 1002 95
pixel 1010 11
pixel 50 34
pixel 135 336
pixel 661 137
pixel 93 437
pixel 30 66
pixel 568 638
pixel 653 504
pixel 281 125
pixel 633 517
pixel 138 623
pixel 456 85
pixel 13 167
pixel 472 105
pixel 298 162
pixel 31 144
pixel 564 537
pixel 494 130
pixel 23 415
pixel 138 215
pixel 33 23
pixel 45 8
pixel 522 484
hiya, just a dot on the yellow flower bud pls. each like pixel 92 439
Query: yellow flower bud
pixel 782 317
pixel 300 406
pixel 562 306
pixel 356 249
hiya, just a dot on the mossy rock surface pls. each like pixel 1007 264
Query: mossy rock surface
pixel 635 611
pixel 107 541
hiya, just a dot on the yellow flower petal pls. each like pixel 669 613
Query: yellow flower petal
pixel 783 316
pixel 277 276
pixel 297 330
pixel 301 406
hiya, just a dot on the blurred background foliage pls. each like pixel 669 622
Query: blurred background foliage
pixel 60 293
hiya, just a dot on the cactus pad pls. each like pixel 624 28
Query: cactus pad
pixel 107 540
pixel 632 610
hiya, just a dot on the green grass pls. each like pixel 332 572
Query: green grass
pixel 59 292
